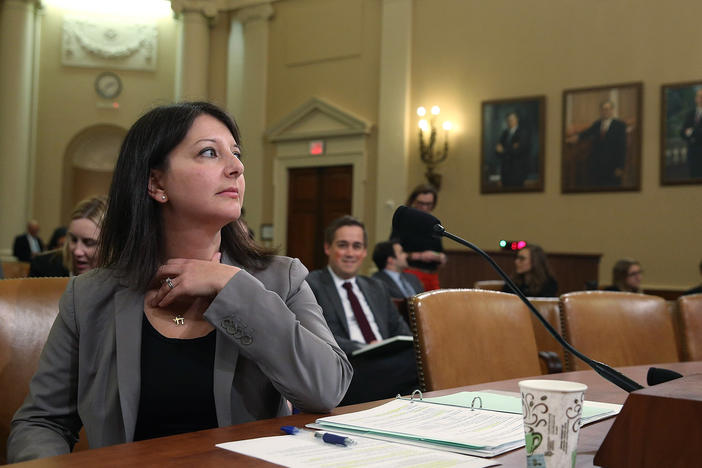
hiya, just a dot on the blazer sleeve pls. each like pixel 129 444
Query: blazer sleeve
pixel 285 334
pixel 47 423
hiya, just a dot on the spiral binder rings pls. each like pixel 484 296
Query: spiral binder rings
pixel 484 424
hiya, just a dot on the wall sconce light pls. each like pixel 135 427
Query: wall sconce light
pixel 427 153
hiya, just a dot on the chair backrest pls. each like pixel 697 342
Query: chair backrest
pixel 467 336
pixel 548 307
pixel 15 269
pixel 28 307
pixel 618 328
pixel 492 285
pixel 690 316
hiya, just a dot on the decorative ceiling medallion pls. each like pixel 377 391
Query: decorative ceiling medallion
pixel 100 42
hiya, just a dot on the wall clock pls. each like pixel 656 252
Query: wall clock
pixel 108 85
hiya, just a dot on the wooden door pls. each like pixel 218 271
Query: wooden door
pixel 316 196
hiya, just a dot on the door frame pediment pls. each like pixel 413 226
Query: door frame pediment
pixel 345 140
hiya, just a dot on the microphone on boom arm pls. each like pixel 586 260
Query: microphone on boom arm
pixel 419 223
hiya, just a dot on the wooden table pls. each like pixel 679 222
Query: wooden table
pixel 198 448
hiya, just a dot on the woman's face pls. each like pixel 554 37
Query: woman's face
pixel 83 237
pixel 203 181
pixel 424 202
pixel 633 277
pixel 523 261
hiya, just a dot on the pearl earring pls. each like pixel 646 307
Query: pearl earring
pixel 163 197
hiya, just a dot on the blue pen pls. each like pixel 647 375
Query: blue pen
pixel 325 436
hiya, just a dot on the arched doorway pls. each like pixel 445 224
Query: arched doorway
pixel 88 164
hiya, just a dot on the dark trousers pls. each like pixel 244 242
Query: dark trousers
pixel 381 377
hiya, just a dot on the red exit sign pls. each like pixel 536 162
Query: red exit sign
pixel 316 147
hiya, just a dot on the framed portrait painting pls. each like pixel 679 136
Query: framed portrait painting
pixel 512 145
pixel 681 133
pixel 601 148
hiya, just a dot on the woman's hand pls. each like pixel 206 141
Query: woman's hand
pixel 180 277
pixel 429 256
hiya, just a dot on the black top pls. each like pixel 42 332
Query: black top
pixel 412 243
pixel 177 388
pixel 48 264
pixel 695 290
pixel 549 289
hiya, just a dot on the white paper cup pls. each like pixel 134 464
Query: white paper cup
pixel 552 410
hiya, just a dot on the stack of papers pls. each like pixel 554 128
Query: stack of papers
pixel 449 422
pixel 412 433
pixel 305 451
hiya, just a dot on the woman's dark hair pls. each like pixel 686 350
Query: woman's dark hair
pixel 620 273
pixel 59 232
pixel 421 189
pixel 382 251
pixel 131 240
pixel 538 275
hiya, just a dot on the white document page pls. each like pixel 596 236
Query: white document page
pixel 304 450
pixel 455 425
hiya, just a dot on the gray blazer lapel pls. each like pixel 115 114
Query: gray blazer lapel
pixel 129 313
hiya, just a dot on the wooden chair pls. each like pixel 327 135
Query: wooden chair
pixel 491 285
pixel 548 307
pixel 617 328
pixel 28 307
pixel 690 320
pixel 15 269
pixel 467 336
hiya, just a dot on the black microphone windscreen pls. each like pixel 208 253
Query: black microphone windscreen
pixel 656 375
pixel 415 222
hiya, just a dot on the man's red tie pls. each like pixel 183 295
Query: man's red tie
pixel 363 324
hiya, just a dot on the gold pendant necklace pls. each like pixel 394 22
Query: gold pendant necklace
pixel 178 319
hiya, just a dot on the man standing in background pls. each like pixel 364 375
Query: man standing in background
pixel 692 133
pixel 605 164
pixel 27 245
pixel 513 152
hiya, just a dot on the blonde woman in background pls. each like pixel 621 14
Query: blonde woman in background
pixel 79 252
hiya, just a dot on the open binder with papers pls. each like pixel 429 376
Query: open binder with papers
pixel 485 423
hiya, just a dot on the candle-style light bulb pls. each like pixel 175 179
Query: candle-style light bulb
pixel 424 125
pixel 421 111
pixel 447 125
pixel 435 110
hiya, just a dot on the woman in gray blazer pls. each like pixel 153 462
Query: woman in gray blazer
pixel 187 324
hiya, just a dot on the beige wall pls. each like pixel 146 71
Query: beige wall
pixel 326 49
pixel 467 51
pixel 464 52
pixel 67 105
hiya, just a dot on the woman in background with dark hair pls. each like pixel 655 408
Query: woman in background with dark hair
pixel 424 254
pixel 79 254
pixel 532 275
pixel 58 238
pixel 187 324
pixel 626 276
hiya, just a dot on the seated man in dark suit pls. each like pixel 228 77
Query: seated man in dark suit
pixel 391 261
pixel 359 311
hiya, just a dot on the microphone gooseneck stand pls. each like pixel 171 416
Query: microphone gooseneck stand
pixel 616 377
